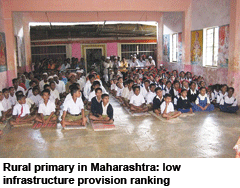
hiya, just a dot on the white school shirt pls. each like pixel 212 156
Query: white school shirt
pixel 150 97
pixel 72 107
pixel 60 86
pixel 193 92
pixel 130 94
pixel 202 98
pixel 36 99
pixel 167 90
pixel 125 92
pixel 30 93
pixel 6 104
pixel 137 100
pixel 104 109
pixel 113 87
pixel 17 110
pixel 46 110
pixel 1 108
pixel 82 83
pixel 143 91
pixel 226 99
pixel 220 96
pixel 152 62
pixel 119 91
pixel 91 95
pixel 87 89
pixel 13 99
pixel 41 84
pixel 215 93
pixel 55 94
pixel 170 107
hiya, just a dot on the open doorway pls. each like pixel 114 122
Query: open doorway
pixel 93 57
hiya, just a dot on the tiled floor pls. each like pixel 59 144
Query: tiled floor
pixel 203 135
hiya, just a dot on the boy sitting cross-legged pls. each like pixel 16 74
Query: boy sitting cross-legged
pixel 73 109
pixel 46 111
pixel 137 101
pixel 167 108
pixel 21 112
pixel 102 110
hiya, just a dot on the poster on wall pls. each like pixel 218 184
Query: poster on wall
pixel 196 47
pixel 166 48
pixel 223 50
pixel 179 48
pixel 3 57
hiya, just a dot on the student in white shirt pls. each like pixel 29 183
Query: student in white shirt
pixel 60 86
pixel 73 109
pixel 222 94
pixel 21 112
pixel 150 96
pixel 167 108
pixel 137 101
pixel 32 84
pixel 46 111
pixel 203 102
pixel 81 79
pixel 43 81
pixel 87 87
pixel 7 105
pixel 16 86
pixel 126 93
pixel 54 92
pixel 229 103
pixel 36 98
pixel 12 96
pixel 2 114
pixel 145 88
pixel 119 91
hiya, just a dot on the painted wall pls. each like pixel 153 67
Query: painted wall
pixel 112 49
pixel 205 13
pixel 76 50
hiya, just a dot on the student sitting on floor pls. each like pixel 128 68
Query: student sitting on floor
pixel 221 94
pixel 2 114
pixel 96 102
pixel 52 98
pixel 137 101
pixel 175 91
pixel 128 93
pixel 21 112
pixel 95 85
pixel 157 101
pixel 145 88
pixel 124 91
pixel 183 103
pixel 203 102
pixel 150 96
pixel 7 105
pixel 73 109
pixel 54 92
pixel 167 108
pixel 46 111
pixel 35 97
pixel 192 92
pixel 119 91
pixel 29 92
pixel 167 88
pixel 229 103
pixel 102 111
pixel 12 96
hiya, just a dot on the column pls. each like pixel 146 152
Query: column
pixel 234 48
pixel 27 42
pixel 186 39
pixel 10 48
pixel 159 39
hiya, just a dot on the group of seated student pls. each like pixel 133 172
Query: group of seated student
pixel 51 96
pixel 48 98
pixel 169 94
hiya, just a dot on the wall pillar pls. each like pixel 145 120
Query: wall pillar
pixel 186 39
pixel 10 48
pixel 159 39
pixel 27 42
pixel 234 47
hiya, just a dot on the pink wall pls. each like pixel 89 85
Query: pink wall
pixel 76 50
pixel 3 78
pixel 112 49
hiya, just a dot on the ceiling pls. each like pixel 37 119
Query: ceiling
pixel 92 31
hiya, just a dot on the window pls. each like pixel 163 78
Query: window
pixel 140 49
pixel 174 47
pixel 50 52
pixel 210 46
